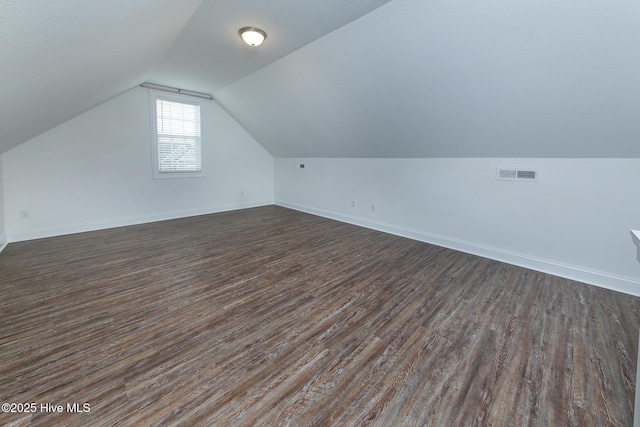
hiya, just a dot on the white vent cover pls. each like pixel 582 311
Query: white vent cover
pixel 529 175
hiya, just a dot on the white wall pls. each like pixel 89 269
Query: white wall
pixel 3 237
pixel 574 222
pixel 94 171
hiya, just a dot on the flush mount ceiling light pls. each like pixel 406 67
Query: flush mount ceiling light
pixel 252 36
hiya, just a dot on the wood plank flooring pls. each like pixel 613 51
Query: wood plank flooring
pixel 269 317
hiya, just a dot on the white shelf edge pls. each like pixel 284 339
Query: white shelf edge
pixel 635 236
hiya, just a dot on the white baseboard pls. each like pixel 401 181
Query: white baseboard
pixel 3 242
pixel 591 277
pixel 123 222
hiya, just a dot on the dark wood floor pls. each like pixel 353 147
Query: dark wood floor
pixel 269 317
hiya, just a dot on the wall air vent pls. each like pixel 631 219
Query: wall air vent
pixel 507 174
pixel 529 175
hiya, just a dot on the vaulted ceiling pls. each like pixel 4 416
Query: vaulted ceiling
pixel 60 58
pixel 335 78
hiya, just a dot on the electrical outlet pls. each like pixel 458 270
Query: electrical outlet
pixel 353 203
pixel 373 207
pixel 24 214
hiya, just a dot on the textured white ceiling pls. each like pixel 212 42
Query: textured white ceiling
pixel 209 54
pixel 60 58
pixel 335 78
pixel 442 78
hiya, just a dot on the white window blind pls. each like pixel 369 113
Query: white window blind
pixel 178 136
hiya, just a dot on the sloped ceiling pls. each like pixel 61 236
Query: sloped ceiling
pixel 209 55
pixel 60 58
pixel 442 78
pixel 335 78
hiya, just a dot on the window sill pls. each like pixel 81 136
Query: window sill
pixel 178 175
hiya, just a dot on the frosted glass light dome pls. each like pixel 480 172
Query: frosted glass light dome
pixel 252 36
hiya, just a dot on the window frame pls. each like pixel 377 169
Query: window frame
pixel 154 95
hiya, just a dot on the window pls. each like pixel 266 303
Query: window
pixel 176 132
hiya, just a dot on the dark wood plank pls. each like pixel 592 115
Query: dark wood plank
pixel 269 316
